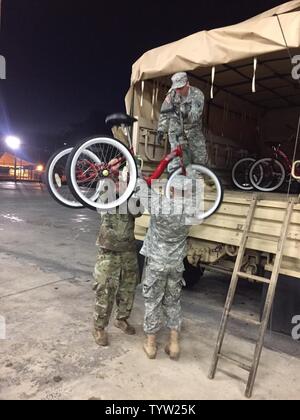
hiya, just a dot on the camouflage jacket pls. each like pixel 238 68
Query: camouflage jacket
pixel 165 245
pixel 190 107
pixel 117 231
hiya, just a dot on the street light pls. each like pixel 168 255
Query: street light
pixel 13 143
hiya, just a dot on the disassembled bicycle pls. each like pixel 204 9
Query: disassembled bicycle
pixel 76 177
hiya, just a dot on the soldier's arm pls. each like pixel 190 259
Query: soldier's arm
pixel 164 118
pixel 197 107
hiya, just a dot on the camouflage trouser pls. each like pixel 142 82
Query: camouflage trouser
pixel 116 277
pixel 162 292
pixel 196 147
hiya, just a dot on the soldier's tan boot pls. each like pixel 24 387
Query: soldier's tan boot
pixel 124 326
pixel 100 336
pixel 150 346
pixel 172 348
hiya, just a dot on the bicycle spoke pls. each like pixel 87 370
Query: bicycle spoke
pixel 109 173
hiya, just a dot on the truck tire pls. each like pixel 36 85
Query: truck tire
pixel 192 274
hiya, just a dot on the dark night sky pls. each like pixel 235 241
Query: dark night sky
pixel 69 61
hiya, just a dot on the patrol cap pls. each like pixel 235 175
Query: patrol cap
pixel 179 80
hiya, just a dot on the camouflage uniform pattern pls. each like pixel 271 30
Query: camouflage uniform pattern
pixel 116 270
pixel 184 114
pixel 164 248
pixel 116 278
pixel 165 242
pixel 116 232
pixel 162 292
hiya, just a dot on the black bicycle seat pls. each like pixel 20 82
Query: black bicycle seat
pixel 115 120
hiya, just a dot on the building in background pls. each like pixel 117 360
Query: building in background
pixel 14 168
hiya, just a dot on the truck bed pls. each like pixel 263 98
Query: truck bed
pixel 226 226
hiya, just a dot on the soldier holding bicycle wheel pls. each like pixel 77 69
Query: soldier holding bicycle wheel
pixel 116 270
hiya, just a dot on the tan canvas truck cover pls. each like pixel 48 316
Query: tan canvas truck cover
pixel 253 38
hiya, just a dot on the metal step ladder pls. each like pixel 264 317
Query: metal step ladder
pixel 272 283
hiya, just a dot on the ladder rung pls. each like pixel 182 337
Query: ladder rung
pixel 235 362
pixel 270 238
pixel 244 318
pixel 253 277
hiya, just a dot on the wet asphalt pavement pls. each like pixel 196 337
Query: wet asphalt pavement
pixel 34 226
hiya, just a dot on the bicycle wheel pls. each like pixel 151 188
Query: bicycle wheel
pixel 273 175
pixel 56 180
pixel 208 195
pixel 107 184
pixel 240 174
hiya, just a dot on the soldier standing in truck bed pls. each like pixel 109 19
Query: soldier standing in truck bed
pixel 181 118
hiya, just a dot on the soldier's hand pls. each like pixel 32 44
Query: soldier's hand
pixel 115 163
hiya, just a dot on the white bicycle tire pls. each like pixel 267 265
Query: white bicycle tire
pixel 132 169
pixel 216 181
pixel 267 189
pixel 250 160
pixel 68 203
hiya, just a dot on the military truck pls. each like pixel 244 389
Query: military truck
pixel 252 96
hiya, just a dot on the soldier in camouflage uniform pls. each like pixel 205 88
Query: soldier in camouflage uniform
pixel 165 248
pixel 181 118
pixel 115 274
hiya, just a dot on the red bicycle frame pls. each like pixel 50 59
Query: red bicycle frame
pixel 93 169
pixel 280 155
pixel 164 163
